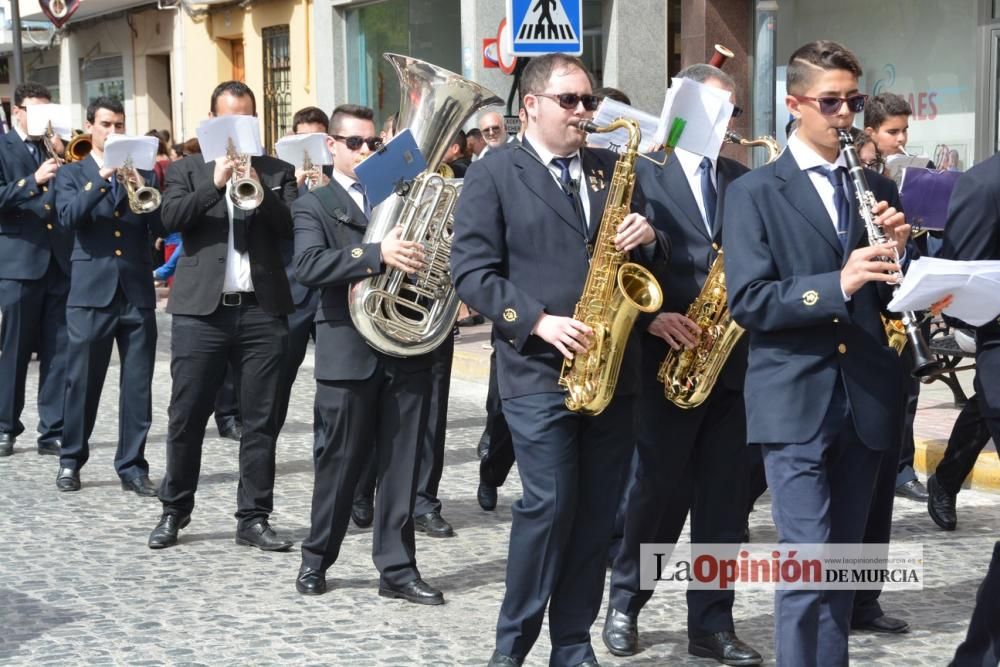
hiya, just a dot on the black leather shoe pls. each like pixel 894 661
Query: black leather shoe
pixel 165 533
pixel 487 496
pixel 941 505
pixel 883 623
pixel 232 432
pixel 141 486
pixel 620 633
pixel 725 647
pixel 913 490
pixel 471 321
pixel 498 659
pixel 434 525
pixel 363 512
pixel 417 591
pixel 483 447
pixel 589 663
pixel 7 444
pixel 68 479
pixel 310 582
pixel 261 535
pixel 50 448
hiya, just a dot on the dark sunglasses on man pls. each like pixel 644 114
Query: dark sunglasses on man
pixel 569 101
pixel 354 142
pixel 492 129
pixel 830 106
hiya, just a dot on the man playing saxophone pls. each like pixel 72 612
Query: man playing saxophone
pixel 524 229
pixel 689 458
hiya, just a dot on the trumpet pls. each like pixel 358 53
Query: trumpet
pixel 50 148
pixel 312 172
pixel 141 197
pixel 79 147
pixel 245 191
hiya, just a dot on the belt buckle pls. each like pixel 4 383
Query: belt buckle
pixel 232 299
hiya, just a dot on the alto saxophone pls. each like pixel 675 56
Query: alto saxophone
pixel 688 375
pixel 614 294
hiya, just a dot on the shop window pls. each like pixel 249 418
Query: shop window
pixel 102 77
pixel 277 85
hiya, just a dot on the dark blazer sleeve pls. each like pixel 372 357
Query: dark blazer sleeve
pixel 317 261
pixel 971 232
pixel 74 204
pixel 185 202
pixel 759 297
pixel 477 263
pixel 274 208
pixel 24 193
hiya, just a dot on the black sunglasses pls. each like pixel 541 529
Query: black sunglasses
pixel 493 129
pixel 354 142
pixel 737 111
pixel 569 101
pixel 830 106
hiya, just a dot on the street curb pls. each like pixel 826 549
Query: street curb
pixel 985 476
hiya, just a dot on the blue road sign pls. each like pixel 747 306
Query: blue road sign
pixel 546 26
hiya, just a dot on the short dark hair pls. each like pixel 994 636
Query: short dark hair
pixel 880 108
pixel 112 104
pixel 352 110
pixel 191 147
pixel 460 140
pixel 235 89
pixel 613 93
pixel 30 89
pixel 310 116
pixel 474 133
pixel 819 55
pixel 539 70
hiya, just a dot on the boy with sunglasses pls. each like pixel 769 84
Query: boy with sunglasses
pixel 363 398
pixel 809 292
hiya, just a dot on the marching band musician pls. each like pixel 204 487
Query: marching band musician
pixel 230 301
pixel 687 458
pixel 520 256
pixel 34 279
pixel 111 299
pixel 809 292
pixel 363 397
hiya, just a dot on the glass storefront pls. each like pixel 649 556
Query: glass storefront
pixel 427 29
pixel 924 50
pixel 102 77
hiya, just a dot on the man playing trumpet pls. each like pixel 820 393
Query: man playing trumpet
pixel 111 299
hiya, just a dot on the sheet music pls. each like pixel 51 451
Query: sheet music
pixel 294 148
pixel 609 111
pixel 214 135
pixel 39 116
pixel 119 148
pixel 974 286
pixel 706 111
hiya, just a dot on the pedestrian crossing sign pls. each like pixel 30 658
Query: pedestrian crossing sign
pixel 546 26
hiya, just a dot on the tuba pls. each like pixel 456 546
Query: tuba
pixel 141 197
pixel 246 192
pixel 614 294
pixel 403 315
pixel 688 375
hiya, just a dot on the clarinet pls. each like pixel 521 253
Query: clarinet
pixel 925 365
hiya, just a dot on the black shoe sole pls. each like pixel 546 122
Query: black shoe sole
pixel 67 489
pixel 310 591
pixel 362 524
pixel 618 652
pixel 707 653
pixel 386 593
pixel 181 526
pixel 450 533
pixel 277 547
pixel 932 487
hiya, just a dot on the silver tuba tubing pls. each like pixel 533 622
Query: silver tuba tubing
pixel 403 315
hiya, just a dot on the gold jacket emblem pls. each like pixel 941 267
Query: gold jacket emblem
pixel 810 298
pixel 357 252
pixel 509 314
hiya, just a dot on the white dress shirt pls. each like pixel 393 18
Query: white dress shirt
pixel 691 165
pixel 346 182
pixel 575 172
pixel 237 263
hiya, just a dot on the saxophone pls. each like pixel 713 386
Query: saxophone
pixel 688 375
pixel 614 294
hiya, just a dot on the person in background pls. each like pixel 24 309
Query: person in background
pixel 494 131
pixel 474 144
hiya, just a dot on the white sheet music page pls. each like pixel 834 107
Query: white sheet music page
pixel 706 111
pixel 119 148
pixel 974 286
pixel 40 115
pixel 214 135
pixel 294 148
pixel 611 110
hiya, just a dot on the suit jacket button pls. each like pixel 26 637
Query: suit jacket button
pixel 842 348
pixel 117 233
pixel 117 214
pixel 118 253
pixel 836 320
pixel 369 269
pixel 49 226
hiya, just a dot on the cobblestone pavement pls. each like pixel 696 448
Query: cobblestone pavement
pixel 79 586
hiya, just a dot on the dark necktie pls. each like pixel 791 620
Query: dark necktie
pixel 36 150
pixel 364 198
pixel 571 189
pixel 840 201
pixel 709 195
pixel 240 231
pixel 114 189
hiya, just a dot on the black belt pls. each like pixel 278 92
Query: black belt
pixel 239 299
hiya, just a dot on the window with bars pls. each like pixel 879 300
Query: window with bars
pixel 277 85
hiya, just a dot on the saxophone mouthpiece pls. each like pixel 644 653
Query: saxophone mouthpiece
pixel 586 125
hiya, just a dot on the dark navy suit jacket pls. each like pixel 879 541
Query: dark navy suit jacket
pixel 29 235
pixel 783 263
pixel 671 207
pixel 112 244
pixel 519 250
pixel 972 233
pixel 330 254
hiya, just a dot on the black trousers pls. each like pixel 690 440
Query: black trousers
pixel 92 332
pixel 496 440
pixel 693 459
pixel 34 319
pixel 969 435
pixel 981 647
pixel 227 402
pixel 388 413
pixel 201 347
pixel 571 467
pixel 300 329
pixel 431 461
